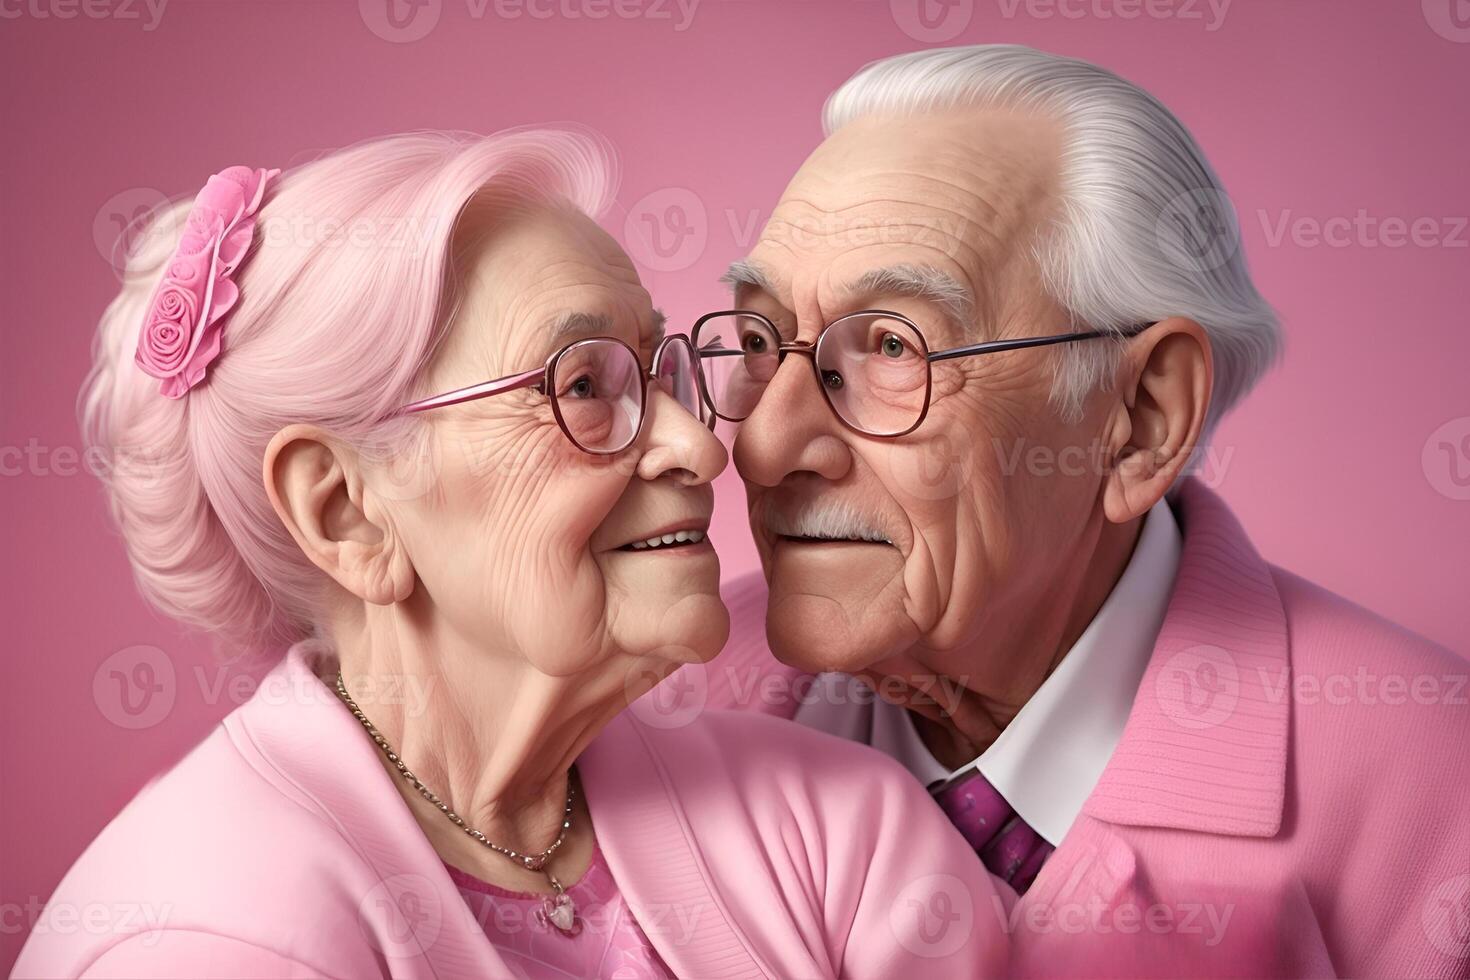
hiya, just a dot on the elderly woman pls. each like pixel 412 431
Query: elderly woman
pixel 474 578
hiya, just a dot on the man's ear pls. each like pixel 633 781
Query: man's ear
pixel 318 492
pixel 1164 383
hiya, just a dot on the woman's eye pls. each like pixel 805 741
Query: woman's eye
pixel 581 388
pixel 892 345
pixel 755 344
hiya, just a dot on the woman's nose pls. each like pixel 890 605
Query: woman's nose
pixel 678 444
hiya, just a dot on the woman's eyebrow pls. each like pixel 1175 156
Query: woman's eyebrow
pixel 572 326
pixel 569 326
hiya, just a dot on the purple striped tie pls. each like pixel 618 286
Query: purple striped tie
pixel 1009 847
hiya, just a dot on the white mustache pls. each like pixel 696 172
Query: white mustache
pixel 825 519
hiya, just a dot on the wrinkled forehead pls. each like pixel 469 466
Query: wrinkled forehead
pixel 960 193
pixel 533 277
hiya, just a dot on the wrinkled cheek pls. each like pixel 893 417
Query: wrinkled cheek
pixel 509 538
pixel 924 589
pixel 541 494
pixel 942 481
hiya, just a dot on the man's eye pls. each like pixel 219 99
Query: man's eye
pixel 581 388
pixel 892 345
pixel 755 344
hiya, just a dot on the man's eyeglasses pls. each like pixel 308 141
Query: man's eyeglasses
pixel 873 366
pixel 598 390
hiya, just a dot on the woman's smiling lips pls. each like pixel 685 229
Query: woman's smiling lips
pixel 682 538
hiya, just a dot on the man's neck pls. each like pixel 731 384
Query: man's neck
pixel 981 715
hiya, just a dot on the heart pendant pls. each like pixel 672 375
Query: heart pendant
pixel 560 912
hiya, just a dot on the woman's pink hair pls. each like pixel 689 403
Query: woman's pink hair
pixel 345 294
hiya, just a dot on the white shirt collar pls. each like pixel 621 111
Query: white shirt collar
pixel 1048 759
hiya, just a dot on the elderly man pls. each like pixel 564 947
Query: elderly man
pixel 990 323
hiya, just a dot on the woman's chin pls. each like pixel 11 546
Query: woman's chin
pixel 674 584
pixel 689 626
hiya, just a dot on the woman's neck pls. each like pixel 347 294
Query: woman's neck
pixel 487 733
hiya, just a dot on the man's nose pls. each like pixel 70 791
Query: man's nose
pixel 791 430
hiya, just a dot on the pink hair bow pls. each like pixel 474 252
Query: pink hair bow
pixel 185 318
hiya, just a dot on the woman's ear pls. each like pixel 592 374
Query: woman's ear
pixel 1165 384
pixel 318 492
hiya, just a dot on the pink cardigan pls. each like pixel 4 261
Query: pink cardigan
pixel 746 847
pixel 1290 797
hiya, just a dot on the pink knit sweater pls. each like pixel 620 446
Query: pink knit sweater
pixel 1290 797
pixel 745 846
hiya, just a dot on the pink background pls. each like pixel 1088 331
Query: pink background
pixel 1311 110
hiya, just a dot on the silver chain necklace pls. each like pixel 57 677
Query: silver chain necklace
pixel 557 909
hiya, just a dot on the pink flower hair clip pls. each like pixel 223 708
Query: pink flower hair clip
pixel 185 318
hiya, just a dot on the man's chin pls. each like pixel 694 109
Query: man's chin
pixel 844 616
pixel 810 653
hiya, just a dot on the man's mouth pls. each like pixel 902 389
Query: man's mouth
pixel 825 522
pixel 827 539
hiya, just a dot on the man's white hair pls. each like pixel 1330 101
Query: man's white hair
pixel 1145 231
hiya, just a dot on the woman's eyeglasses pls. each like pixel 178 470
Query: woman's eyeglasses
pixel 598 390
pixel 873 366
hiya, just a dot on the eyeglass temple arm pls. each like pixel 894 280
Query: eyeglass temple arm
pixel 499 386
pixel 1020 343
pixel 797 347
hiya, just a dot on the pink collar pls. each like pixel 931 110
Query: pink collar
pixel 316 753
pixel 1205 746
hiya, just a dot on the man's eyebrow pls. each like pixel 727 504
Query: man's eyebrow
pixel 919 282
pixel 953 297
pixel 745 273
